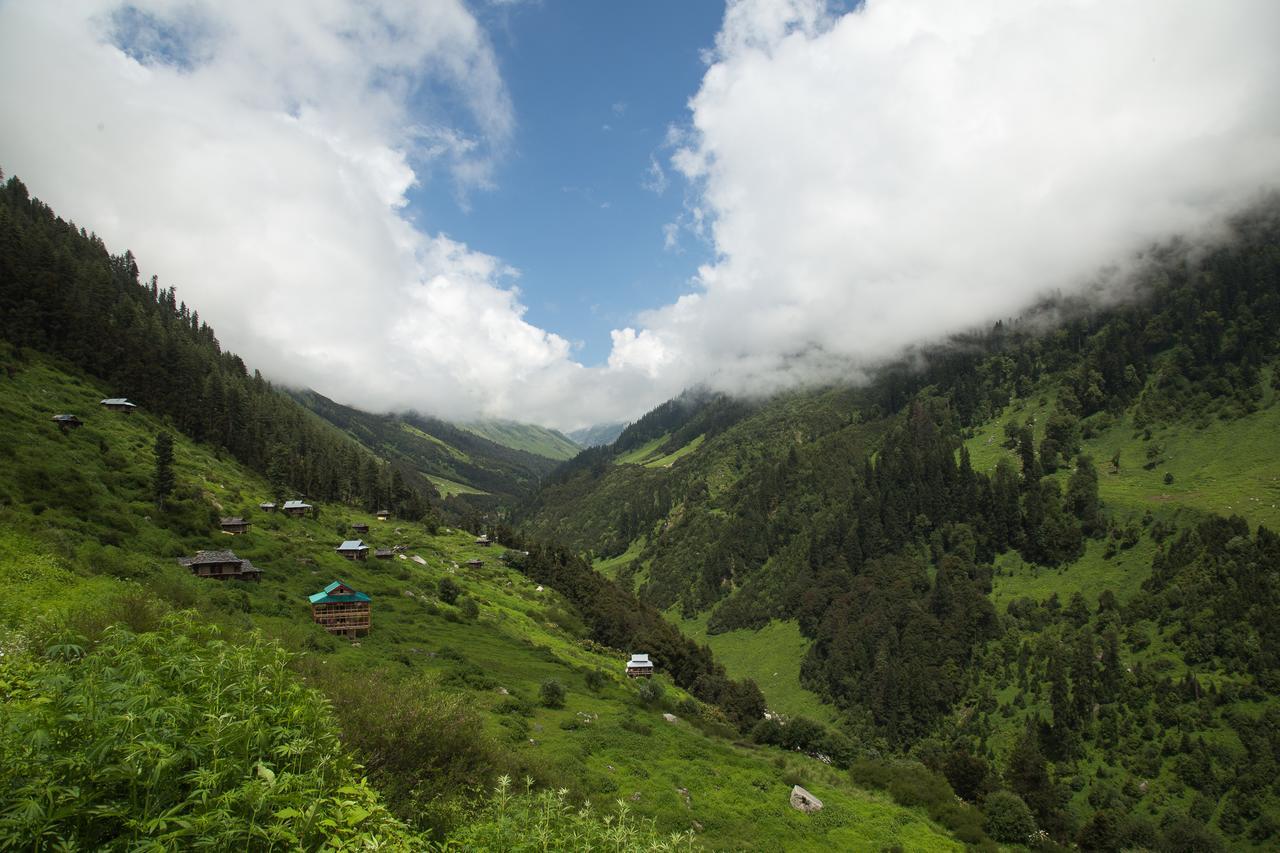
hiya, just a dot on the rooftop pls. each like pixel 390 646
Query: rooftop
pixel 297 505
pixel 118 401
pixel 352 545
pixel 337 593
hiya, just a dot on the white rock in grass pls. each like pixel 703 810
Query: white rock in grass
pixel 804 801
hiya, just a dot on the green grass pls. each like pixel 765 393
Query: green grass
pixel 647 454
pixel 668 460
pixel 1123 574
pixel 641 454
pixel 448 487
pixel 78 529
pixel 537 440
pixel 448 448
pixel 1223 467
pixel 609 567
pixel 771 657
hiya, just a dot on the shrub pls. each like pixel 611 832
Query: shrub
pixel 1008 818
pixel 512 820
pixel 552 694
pixel 651 692
pixel 448 590
pixel 595 679
pixel 469 608
pixel 199 768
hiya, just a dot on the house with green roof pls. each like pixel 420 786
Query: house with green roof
pixel 339 609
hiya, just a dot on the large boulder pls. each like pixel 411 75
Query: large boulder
pixel 804 801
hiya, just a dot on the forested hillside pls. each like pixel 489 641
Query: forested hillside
pixel 144 706
pixel 1037 558
pixel 477 473
pixel 62 292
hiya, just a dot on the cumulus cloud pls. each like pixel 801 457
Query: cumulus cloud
pixel 257 156
pixel 887 175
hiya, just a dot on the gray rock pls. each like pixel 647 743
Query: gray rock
pixel 804 801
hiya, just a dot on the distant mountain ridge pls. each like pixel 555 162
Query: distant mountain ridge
pixel 540 441
pixel 438 451
pixel 597 435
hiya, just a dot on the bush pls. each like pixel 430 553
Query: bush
pixel 469 608
pixel 251 787
pixel 651 692
pixel 1008 818
pixel 448 590
pixel 595 679
pixel 552 694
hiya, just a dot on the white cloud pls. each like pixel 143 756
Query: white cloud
pixel 866 180
pixel 911 168
pixel 257 156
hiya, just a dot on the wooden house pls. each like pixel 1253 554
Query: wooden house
pixel 360 527
pixel 484 540
pixel 118 404
pixel 383 514
pixel 235 525
pixel 639 667
pixel 384 554
pixel 339 609
pixel 222 565
pixel 353 549
pixel 67 422
pixel 268 506
pixel 475 564
pixel 297 509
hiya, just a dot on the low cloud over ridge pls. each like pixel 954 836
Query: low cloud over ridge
pixel 911 168
pixel 868 179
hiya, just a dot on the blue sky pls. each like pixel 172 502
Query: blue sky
pixel 595 87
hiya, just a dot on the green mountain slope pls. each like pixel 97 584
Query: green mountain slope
pixel 489 473
pixel 990 554
pixel 466 650
pixel 530 438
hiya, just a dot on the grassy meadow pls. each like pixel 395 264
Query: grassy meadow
pixel 82 540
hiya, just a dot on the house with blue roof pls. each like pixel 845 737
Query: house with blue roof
pixel 339 609
pixel 353 549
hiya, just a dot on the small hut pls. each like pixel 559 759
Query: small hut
pixel 267 506
pixel 475 564
pixel 221 565
pixel 118 404
pixel 235 525
pixel 67 422
pixel 384 554
pixel 640 667
pixel 339 609
pixel 353 549
pixel 297 509
pixel 360 527
pixel 484 540
pixel 383 514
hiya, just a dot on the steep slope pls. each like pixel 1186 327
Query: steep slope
pixel 455 459
pixel 530 438
pixel 443 694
